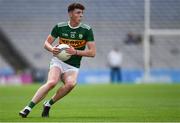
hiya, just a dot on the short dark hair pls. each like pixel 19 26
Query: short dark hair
pixel 73 6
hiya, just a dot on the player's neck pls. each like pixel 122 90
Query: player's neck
pixel 73 24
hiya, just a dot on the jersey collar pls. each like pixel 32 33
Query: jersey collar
pixel 73 27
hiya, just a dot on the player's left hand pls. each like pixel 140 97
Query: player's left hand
pixel 71 50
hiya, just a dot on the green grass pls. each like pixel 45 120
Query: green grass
pixel 97 103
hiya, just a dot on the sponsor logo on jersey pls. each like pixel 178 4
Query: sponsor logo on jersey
pixel 65 34
pixel 73 43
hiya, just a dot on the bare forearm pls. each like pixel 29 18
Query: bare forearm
pixel 87 53
pixel 48 46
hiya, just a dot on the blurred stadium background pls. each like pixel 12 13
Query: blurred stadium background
pixel 151 56
pixel 24 25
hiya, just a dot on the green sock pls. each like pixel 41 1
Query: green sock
pixel 31 104
pixel 51 102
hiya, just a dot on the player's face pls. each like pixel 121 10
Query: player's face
pixel 76 15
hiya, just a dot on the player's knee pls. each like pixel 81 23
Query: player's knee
pixel 51 84
pixel 70 84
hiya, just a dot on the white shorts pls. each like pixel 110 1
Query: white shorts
pixel 62 66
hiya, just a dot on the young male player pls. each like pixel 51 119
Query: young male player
pixel 78 36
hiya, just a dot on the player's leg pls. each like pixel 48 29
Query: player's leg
pixel 69 79
pixel 53 78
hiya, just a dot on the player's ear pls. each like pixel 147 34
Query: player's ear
pixel 70 14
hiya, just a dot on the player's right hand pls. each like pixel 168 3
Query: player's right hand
pixel 55 50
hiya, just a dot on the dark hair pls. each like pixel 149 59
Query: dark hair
pixel 73 6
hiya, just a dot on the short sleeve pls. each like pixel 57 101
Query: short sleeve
pixel 54 32
pixel 90 36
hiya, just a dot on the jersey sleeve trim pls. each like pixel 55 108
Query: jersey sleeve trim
pixel 85 26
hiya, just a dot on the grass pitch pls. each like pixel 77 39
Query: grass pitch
pixel 97 103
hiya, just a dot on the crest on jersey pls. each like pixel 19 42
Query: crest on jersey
pixel 72 35
pixel 80 36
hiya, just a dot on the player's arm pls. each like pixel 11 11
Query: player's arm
pixel 48 45
pixel 89 52
pixel 50 39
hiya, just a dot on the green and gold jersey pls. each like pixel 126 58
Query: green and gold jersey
pixel 74 36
